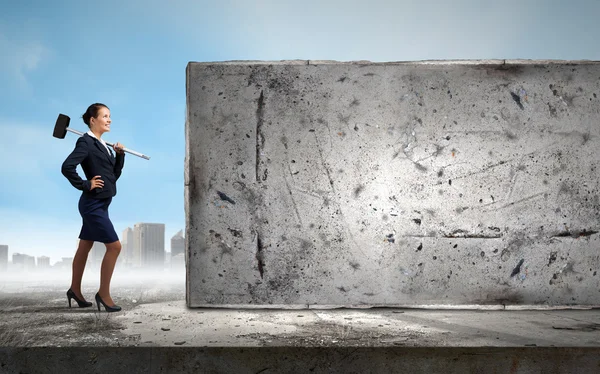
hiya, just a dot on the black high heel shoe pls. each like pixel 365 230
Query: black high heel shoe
pixel 81 303
pixel 109 309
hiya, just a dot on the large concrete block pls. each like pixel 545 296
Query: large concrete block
pixel 400 184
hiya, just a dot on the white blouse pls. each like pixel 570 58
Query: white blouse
pixel 90 133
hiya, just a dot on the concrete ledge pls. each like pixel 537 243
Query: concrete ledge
pixel 412 307
pixel 298 359
pixel 415 62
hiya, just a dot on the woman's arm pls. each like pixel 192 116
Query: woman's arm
pixel 69 166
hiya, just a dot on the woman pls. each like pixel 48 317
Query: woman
pixel 102 170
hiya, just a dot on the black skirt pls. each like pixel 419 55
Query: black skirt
pixel 96 226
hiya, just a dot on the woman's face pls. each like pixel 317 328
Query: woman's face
pixel 102 122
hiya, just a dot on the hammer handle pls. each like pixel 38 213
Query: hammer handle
pixel 111 144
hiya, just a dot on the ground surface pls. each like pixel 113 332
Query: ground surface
pixel 35 313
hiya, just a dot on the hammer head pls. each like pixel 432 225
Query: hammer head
pixel 60 128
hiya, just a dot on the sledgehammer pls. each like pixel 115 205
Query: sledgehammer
pixel 62 126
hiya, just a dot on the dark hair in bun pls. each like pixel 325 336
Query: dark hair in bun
pixel 92 111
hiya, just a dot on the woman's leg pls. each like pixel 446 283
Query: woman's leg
pixel 79 262
pixel 108 266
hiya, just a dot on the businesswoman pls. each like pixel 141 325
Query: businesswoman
pixel 102 169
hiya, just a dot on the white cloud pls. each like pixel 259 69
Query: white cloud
pixel 21 58
pixel 33 146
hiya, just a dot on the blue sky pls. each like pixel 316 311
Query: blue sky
pixel 59 57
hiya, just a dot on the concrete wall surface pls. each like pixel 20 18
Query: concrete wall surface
pixel 323 183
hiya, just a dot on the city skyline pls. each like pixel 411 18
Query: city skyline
pixel 53 260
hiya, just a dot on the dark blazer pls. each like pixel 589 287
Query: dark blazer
pixel 94 160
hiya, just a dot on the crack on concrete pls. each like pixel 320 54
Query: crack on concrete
pixel 260 138
pixel 491 166
pixel 461 234
pixel 324 164
pixel 525 199
pixel 574 234
pixel 293 200
pixel 346 226
pixel 483 170
pixel 436 153
pixel 260 255
pixel 513 182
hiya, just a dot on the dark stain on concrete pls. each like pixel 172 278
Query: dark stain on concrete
pixel 506 69
pixel 354 265
pixel 260 256
pixel 358 190
pixel 342 79
pixel 344 119
pixel 581 327
pixel 419 248
pixel 193 188
pixel 355 102
pixel 420 167
pixel 224 197
pixel 517 269
pixel 417 221
pixel 552 110
pixel 502 297
pixel 586 137
pixel 305 245
pixel 236 233
pixel 552 258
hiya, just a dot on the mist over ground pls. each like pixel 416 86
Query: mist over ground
pixel 22 282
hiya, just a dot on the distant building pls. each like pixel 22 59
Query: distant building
pixel 3 257
pixel 177 252
pixel 65 263
pixel 127 247
pixel 96 255
pixel 149 245
pixel 177 243
pixel 23 262
pixel 43 262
